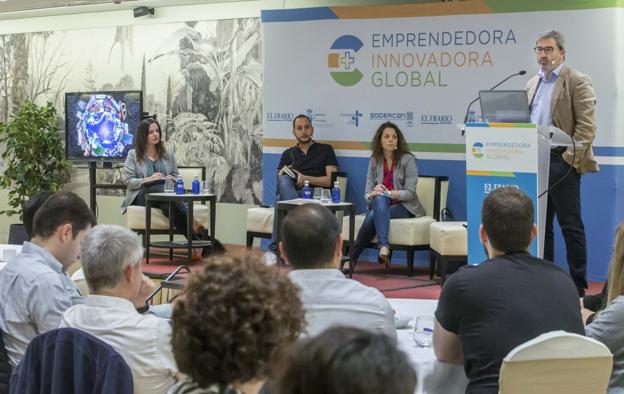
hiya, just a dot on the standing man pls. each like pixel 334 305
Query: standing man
pixel 562 97
pixel 308 160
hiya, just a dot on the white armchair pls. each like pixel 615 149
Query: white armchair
pixel 135 215
pixel 557 362
pixel 260 219
pixel 411 234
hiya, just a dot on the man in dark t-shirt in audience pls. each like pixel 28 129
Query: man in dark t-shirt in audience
pixel 487 310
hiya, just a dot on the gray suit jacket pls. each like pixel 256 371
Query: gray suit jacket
pixel 135 171
pixel 404 177
pixel 573 110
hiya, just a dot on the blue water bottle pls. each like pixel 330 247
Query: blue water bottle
pixel 179 185
pixel 307 190
pixel 335 193
pixel 471 117
pixel 195 188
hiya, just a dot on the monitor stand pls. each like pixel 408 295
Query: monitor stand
pixel 93 186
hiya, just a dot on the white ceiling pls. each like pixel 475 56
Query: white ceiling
pixel 23 5
pixel 23 8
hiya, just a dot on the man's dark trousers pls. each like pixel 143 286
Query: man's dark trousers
pixel 564 200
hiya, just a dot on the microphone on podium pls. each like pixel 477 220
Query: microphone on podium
pixel 521 72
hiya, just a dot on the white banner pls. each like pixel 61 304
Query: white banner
pixel 351 75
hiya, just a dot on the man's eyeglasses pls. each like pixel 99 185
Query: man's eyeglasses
pixel 546 50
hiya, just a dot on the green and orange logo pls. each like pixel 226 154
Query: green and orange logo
pixel 477 150
pixel 341 60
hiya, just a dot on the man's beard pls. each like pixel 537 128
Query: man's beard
pixel 304 140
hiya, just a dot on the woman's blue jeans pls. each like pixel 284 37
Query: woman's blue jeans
pixel 377 222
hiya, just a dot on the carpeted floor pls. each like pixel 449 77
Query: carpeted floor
pixel 393 284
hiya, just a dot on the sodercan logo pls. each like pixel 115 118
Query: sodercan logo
pixel 341 59
pixel 477 150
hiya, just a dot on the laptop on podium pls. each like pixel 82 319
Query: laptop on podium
pixel 505 106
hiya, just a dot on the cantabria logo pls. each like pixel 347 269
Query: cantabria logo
pixel 341 60
pixel 477 150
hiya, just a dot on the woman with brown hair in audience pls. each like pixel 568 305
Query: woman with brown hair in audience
pixel 608 324
pixel 230 323
pixel 346 360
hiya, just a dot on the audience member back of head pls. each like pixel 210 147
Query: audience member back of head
pixel 311 237
pixel 489 309
pixel 344 360
pixel 111 257
pixel 312 244
pixel 31 207
pixel 35 290
pixel 230 324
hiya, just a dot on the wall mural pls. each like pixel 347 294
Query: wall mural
pixel 203 80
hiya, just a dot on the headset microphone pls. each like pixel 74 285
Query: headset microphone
pixel 553 62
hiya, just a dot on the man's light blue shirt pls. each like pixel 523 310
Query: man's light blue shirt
pixel 330 299
pixel 35 293
pixel 540 111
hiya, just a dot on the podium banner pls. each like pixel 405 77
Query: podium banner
pixel 498 155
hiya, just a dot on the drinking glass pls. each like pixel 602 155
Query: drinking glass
pixel 325 196
pixel 8 254
pixel 169 185
pixel 204 187
pixel 423 331
pixel 318 193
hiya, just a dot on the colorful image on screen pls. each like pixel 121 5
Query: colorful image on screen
pixel 101 125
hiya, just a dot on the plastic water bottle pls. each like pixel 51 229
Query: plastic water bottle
pixel 179 185
pixel 471 117
pixel 335 193
pixel 307 190
pixel 195 188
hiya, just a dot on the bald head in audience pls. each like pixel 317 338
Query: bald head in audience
pixel 311 238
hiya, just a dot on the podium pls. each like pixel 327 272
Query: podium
pixel 508 154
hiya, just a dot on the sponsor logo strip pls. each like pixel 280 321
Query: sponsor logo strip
pixel 514 125
pixel 411 10
pixel 431 9
pixel 365 145
pixel 297 14
pixel 491 173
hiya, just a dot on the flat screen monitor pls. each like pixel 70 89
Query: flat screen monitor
pixel 101 125
pixel 505 106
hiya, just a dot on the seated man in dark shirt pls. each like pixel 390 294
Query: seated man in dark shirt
pixel 487 310
pixel 308 161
